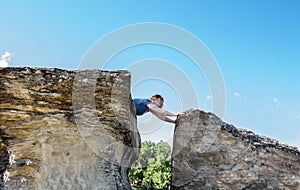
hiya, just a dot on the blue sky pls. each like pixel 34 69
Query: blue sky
pixel 255 43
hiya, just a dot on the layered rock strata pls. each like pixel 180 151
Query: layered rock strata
pixel 211 154
pixel 66 129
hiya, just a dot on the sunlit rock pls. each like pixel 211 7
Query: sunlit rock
pixel 211 154
pixel 66 129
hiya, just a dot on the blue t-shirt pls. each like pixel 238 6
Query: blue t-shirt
pixel 141 105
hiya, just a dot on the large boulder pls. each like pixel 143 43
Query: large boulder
pixel 66 129
pixel 211 154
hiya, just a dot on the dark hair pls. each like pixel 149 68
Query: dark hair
pixel 157 96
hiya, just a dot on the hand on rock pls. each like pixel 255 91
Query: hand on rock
pixel 179 113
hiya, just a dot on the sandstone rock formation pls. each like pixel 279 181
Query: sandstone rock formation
pixel 66 129
pixel 211 154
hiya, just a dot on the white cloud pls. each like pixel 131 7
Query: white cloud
pixel 5 59
pixel 297 116
pixel 276 101
pixel 237 94
pixel 208 97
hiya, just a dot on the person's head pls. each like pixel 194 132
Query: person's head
pixel 158 100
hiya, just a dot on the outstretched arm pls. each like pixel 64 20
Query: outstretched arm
pixel 161 114
pixel 172 114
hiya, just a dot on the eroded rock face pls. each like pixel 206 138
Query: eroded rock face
pixel 211 154
pixel 66 129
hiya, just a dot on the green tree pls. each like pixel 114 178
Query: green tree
pixel 153 168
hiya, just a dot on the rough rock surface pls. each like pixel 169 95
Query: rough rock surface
pixel 66 129
pixel 211 154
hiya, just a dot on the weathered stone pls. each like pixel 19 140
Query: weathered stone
pixel 211 154
pixel 66 129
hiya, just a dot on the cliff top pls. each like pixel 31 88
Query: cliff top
pixel 246 135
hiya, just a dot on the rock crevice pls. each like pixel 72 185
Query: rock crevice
pixel 77 130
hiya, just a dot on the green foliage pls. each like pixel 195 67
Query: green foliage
pixel 153 168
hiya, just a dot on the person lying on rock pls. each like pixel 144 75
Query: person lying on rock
pixel 154 105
